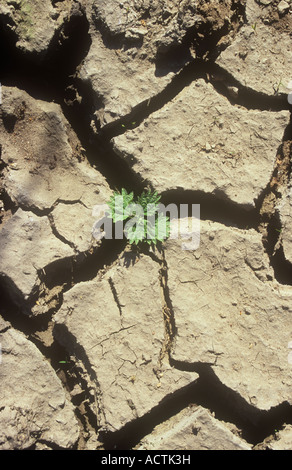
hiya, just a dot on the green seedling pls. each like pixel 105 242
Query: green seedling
pixel 143 217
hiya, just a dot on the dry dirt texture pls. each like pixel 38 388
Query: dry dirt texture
pixel 106 346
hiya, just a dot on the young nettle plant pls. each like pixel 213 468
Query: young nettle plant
pixel 144 220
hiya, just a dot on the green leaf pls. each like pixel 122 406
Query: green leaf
pixel 160 231
pixel 151 230
pixel 135 230
pixel 118 202
pixel 147 197
pixel 162 227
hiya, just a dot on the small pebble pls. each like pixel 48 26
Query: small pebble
pixel 283 7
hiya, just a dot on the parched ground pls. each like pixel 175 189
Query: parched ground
pixel 104 345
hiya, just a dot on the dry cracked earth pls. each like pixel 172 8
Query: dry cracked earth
pixel 104 346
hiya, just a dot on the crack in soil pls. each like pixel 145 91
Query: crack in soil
pixel 116 298
pixel 80 373
pixel 59 235
pixel 225 84
pixel 168 313
pixel 222 81
pixel 255 424
pixel 227 406
pixel 39 330
pixel 214 207
pixel 269 223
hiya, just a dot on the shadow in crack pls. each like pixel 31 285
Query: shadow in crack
pixel 207 391
pixel 131 434
pixel 130 258
pixel 282 267
pixel 45 77
pixel 246 97
pixel 228 406
pixel 173 61
pixel 133 253
pixel 216 207
pixel 203 39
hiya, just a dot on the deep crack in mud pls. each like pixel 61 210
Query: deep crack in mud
pixel 130 344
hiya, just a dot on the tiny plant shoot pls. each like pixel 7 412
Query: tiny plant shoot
pixel 144 220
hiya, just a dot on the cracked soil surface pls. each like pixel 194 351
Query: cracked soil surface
pixel 104 346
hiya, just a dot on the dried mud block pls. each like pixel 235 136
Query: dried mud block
pixel 27 246
pixel 113 79
pixel 260 56
pixel 45 168
pixel 74 222
pixel 151 26
pixel 200 142
pixel 34 24
pixel 43 156
pixel 125 37
pixel 127 62
pixel 115 326
pixel 194 428
pixel 34 407
pixel 232 314
pixel 284 209
pixel 283 440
